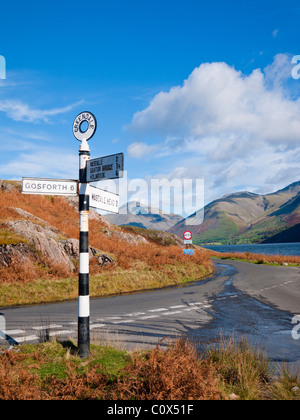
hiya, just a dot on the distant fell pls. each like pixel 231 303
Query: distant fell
pixel 137 214
pixel 245 217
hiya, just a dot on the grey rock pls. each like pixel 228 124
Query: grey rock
pixel 105 259
pixel 44 238
pixel 15 252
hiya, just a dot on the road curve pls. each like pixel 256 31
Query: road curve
pixel 278 286
pixel 254 300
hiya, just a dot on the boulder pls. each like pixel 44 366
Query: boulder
pixel 44 238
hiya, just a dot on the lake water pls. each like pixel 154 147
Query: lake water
pixel 270 249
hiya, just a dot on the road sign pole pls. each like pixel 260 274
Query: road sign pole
pixel 83 294
pixel 84 206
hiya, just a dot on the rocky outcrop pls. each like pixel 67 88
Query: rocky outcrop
pixel 38 241
pixel 46 240
pixel 126 236
pixel 104 259
pixel 10 185
pixel 27 215
pixel 22 253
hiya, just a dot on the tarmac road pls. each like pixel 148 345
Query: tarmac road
pixel 256 301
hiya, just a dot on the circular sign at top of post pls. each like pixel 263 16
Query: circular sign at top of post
pixel 84 126
pixel 187 235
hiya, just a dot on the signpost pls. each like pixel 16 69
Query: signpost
pixel 49 186
pixel 84 210
pixel 107 167
pixel 187 239
pixel 103 200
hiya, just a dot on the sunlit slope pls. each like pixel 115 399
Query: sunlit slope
pixel 246 217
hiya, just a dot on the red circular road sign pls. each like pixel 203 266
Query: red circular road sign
pixel 187 235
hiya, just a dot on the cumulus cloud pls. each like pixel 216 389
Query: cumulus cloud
pixel 243 129
pixel 218 100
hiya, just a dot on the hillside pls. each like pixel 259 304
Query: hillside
pixel 39 249
pixel 288 235
pixel 245 217
pixel 137 214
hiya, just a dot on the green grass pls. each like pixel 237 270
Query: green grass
pixel 139 277
pixel 8 237
pixel 226 229
pixel 49 359
pixel 239 370
pixel 227 232
pixel 262 230
pixel 245 369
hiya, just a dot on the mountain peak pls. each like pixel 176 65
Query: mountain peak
pixel 292 187
pixel 135 213
pixel 244 217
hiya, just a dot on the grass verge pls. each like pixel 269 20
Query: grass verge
pixel 285 260
pixel 139 277
pixel 231 370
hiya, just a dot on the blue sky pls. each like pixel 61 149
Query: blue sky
pixel 186 89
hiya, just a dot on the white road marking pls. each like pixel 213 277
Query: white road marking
pixel 149 317
pixel 123 322
pixel 177 306
pixel 93 326
pixel 136 314
pixel 113 317
pixel 158 310
pixel 45 327
pixel 62 332
pixel 25 339
pixel 191 309
pixel 14 332
pixel 171 313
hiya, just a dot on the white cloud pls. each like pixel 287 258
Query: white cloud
pixel 241 130
pixel 217 100
pixel 42 162
pixel 19 111
pixel 139 150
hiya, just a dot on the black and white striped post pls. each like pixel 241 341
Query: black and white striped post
pixel 83 290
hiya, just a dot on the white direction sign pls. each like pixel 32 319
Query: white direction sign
pixel 107 167
pixel 103 200
pixel 48 186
